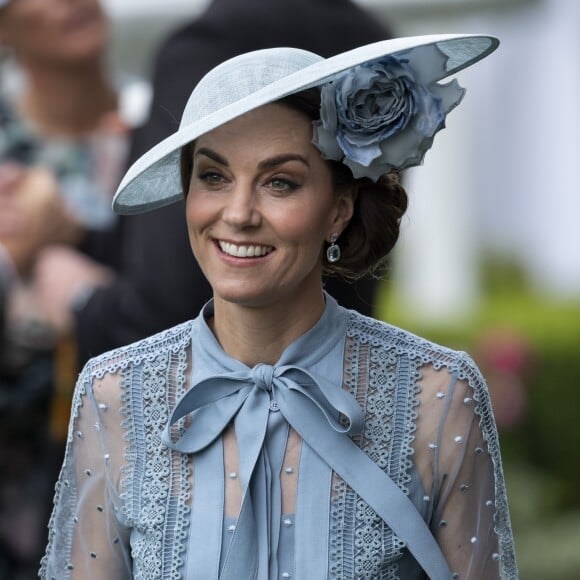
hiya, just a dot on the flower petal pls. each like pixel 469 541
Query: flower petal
pixel 384 114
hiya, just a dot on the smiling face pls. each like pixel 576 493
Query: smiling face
pixel 54 31
pixel 260 206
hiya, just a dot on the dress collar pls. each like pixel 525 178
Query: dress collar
pixel 306 351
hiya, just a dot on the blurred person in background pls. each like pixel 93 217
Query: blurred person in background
pixel 63 145
pixel 158 284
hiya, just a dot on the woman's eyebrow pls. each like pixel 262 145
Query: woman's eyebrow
pixel 280 159
pixel 212 155
pixel 265 164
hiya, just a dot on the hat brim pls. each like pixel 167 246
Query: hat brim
pixel 160 165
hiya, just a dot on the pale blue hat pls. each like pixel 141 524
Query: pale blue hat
pixel 254 79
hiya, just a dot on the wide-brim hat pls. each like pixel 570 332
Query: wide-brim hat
pixel 254 79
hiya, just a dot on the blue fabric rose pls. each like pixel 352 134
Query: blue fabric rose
pixel 384 115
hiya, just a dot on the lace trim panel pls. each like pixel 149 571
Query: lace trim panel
pixel 157 482
pixel 384 386
pixel 391 341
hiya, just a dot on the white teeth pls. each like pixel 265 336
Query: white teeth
pixel 244 251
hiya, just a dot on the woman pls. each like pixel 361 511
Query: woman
pixel 279 435
pixel 63 143
pixel 59 108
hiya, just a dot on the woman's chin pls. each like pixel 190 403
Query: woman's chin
pixel 247 298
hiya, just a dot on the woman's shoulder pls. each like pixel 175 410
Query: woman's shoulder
pixel 162 344
pixel 403 343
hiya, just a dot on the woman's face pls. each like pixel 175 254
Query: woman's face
pixel 54 31
pixel 260 206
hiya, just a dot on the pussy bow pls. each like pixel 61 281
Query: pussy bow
pixel 258 400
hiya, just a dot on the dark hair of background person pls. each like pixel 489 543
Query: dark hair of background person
pixel 159 283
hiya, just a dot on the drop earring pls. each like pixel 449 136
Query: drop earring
pixel 333 251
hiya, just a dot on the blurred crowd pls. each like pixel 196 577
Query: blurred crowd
pixel 75 280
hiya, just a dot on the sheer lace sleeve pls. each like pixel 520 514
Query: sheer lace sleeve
pixel 88 537
pixel 457 456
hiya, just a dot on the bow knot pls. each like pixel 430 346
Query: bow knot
pixel 262 375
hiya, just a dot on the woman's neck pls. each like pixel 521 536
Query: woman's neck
pixel 67 102
pixel 260 335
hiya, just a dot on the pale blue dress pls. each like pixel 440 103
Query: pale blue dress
pixel 184 463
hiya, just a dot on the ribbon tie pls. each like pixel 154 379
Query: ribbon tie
pixel 262 376
pixel 215 401
pixel 320 411
pixel 249 396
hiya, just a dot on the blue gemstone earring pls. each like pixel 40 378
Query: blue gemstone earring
pixel 333 251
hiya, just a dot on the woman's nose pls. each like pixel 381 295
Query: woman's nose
pixel 241 207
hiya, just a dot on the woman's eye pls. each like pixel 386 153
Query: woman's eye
pixel 281 184
pixel 211 177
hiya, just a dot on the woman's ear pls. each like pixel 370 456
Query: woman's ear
pixel 343 210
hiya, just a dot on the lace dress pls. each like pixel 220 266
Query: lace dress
pixel 185 463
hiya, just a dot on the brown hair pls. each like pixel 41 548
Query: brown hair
pixel 374 227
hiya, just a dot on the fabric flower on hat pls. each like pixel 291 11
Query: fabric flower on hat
pixel 385 114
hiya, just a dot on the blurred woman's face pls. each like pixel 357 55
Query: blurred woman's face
pixel 64 32
pixel 260 206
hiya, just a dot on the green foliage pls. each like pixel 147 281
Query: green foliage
pixel 546 546
pixel 549 437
